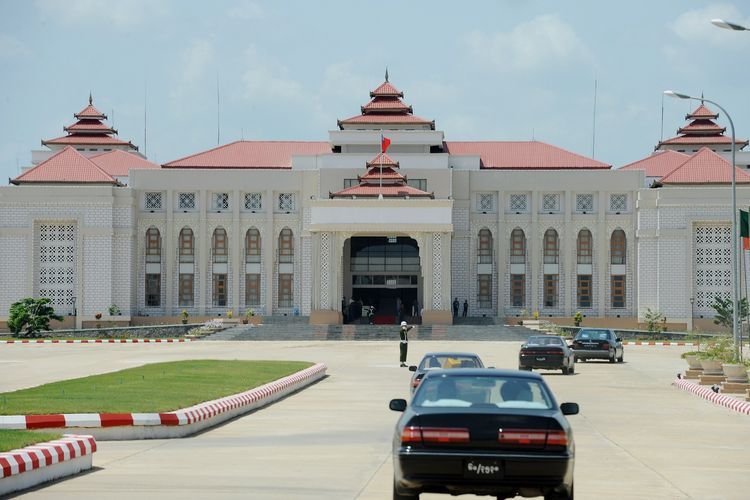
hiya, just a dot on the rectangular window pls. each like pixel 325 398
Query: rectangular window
pixel 551 203
pixel 285 290
pixel 484 291
pixel 252 289
pixel 153 290
pixel 518 203
pixel 220 290
pixel 485 202
pixel 254 201
pixel 584 290
pixel 618 291
pixel 517 290
pixel 186 290
pixel 221 201
pixel 286 202
pixel 618 203
pixel 420 184
pixel 186 201
pixel 153 201
pixel 350 183
pixel 584 202
pixel 550 290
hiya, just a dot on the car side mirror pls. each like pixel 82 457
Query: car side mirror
pixel 400 404
pixel 568 408
pixel 413 368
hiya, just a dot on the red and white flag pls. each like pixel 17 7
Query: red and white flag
pixel 384 143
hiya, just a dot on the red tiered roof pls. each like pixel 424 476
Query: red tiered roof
pixel 67 166
pixel 526 155
pixel 386 108
pixel 118 163
pixel 658 164
pixel 382 179
pixel 251 154
pixel 701 130
pixel 702 111
pixel 705 167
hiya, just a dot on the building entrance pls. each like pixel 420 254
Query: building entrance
pixel 384 273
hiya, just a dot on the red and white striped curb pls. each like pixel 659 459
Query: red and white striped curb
pixel 94 341
pixel 706 393
pixel 193 414
pixel 659 343
pixel 45 454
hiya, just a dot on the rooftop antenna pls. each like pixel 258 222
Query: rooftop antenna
pixel 242 133
pixel 145 108
pixel 386 73
pixel 218 111
pixel 661 134
pixel 593 131
pixel 533 134
pixel 91 99
pixel 113 117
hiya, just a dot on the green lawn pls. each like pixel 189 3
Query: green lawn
pixel 14 439
pixel 158 387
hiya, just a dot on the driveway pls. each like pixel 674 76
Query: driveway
pixel 636 436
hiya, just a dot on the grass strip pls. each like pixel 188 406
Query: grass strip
pixel 158 387
pixel 12 439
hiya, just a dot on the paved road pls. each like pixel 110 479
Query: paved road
pixel 637 436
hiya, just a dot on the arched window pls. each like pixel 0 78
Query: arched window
pixel 583 246
pixel 187 273
pixel 286 246
pixel 517 246
pixel 153 267
pixel 252 245
pixel 617 247
pixel 484 247
pixel 551 247
pixel 219 250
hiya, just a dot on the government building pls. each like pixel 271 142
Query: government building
pixel 305 228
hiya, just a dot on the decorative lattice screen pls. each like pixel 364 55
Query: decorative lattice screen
pixel 57 265
pixel 713 266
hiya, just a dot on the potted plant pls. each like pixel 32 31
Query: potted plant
pixel 717 350
pixel 577 318
pixel 230 313
pixel 185 316
pixel 114 310
pixel 251 317
pixel 98 317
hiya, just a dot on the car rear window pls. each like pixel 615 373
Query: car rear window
pixel 544 341
pixel 482 390
pixel 448 361
pixel 594 335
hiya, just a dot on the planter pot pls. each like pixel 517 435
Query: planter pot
pixel 184 321
pixel 255 320
pixel 244 321
pixel 735 373
pixel 711 367
pixel 693 362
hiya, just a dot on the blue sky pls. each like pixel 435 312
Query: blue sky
pixel 483 70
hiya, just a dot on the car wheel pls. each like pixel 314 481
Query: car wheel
pixel 620 359
pixel 559 496
pixel 572 369
pixel 399 496
pixel 565 370
pixel 612 357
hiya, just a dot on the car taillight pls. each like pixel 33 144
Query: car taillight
pixel 434 435
pixel 532 437
pixel 605 346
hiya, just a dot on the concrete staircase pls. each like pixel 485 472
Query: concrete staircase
pixel 297 328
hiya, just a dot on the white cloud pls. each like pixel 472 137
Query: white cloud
pixel 695 26
pixel 122 13
pixel 11 48
pixel 542 42
pixel 267 79
pixel 246 10
pixel 194 65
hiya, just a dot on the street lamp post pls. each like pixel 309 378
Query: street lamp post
pixel 727 25
pixel 735 247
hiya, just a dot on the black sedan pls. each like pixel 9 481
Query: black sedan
pixel 598 343
pixel 484 432
pixel 547 352
pixel 438 360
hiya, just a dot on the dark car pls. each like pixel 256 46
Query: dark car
pixel 484 432
pixel 598 343
pixel 547 352
pixel 441 360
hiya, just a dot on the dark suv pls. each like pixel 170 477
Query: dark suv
pixel 598 343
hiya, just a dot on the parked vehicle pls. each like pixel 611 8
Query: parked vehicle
pixel 598 343
pixel 436 360
pixel 484 432
pixel 547 352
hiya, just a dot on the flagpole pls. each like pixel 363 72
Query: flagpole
pixel 380 192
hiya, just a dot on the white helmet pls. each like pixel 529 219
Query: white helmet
pixel 403 323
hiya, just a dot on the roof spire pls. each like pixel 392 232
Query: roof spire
pixel 701 97
pixel 386 73
pixel 91 99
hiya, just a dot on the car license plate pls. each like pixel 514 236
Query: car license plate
pixel 483 469
pixel 541 358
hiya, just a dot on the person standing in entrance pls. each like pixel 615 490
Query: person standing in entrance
pixel 455 307
pixel 466 308
pixel 404 344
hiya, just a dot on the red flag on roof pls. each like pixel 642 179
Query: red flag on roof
pixel 384 143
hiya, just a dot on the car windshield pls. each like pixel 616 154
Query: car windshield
pixel 593 335
pixel 544 341
pixel 482 390
pixel 449 361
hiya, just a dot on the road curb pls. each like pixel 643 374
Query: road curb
pixel 95 341
pixel 659 343
pixel 179 423
pixel 706 392
pixel 27 467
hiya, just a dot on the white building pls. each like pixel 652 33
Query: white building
pixel 288 227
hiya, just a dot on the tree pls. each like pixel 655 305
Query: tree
pixel 652 319
pixel 725 310
pixel 29 316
